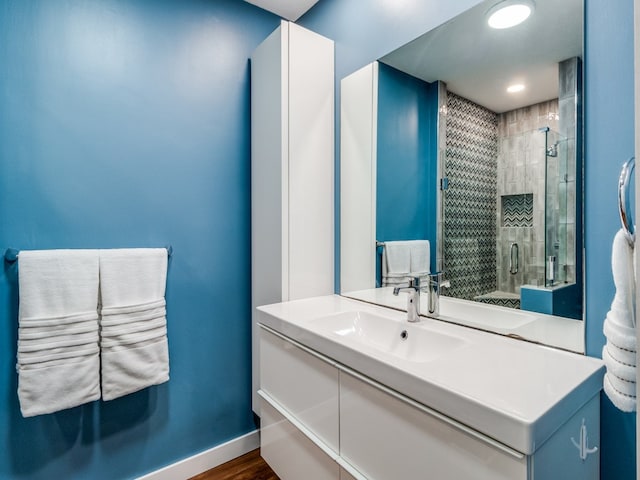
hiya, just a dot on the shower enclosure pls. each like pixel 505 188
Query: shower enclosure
pixel 532 228
pixel 509 211
pixel 535 200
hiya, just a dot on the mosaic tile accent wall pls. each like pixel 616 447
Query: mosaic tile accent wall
pixel 517 210
pixel 470 202
pixel 500 301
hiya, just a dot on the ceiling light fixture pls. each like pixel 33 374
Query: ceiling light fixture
pixel 509 13
pixel 518 87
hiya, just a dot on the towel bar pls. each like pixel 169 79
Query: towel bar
pixel 11 254
pixel 624 203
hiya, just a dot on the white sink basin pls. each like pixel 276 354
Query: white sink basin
pixel 515 392
pixel 483 316
pixel 411 342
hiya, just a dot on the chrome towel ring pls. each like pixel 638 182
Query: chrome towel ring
pixel 624 202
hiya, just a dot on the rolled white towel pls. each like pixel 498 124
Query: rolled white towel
pixel 620 370
pixel 620 335
pixel 620 355
pixel 623 386
pixel 624 303
pixel 624 402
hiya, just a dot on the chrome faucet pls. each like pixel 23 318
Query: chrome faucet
pixel 436 283
pixel 413 298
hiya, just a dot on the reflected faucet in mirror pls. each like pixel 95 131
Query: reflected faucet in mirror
pixel 436 283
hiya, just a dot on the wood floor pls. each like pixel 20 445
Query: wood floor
pixel 250 466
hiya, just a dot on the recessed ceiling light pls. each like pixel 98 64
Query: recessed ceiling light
pixel 509 13
pixel 518 87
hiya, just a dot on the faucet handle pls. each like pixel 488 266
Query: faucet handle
pixel 414 284
pixel 439 280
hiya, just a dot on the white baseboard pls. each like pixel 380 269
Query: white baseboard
pixel 206 460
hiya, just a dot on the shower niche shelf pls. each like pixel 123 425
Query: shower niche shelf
pixel 517 210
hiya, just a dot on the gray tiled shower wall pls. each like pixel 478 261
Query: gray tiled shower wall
pixel 521 170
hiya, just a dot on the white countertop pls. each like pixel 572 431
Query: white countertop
pixel 551 330
pixel 516 392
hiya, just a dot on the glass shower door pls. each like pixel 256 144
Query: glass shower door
pixel 556 208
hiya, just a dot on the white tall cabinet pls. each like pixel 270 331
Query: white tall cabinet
pixel 292 170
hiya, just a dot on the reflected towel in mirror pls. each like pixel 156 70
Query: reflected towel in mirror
pixel 402 259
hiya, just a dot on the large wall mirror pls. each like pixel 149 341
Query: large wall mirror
pixel 461 153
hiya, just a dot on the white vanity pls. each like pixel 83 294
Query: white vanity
pixel 351 390
pixel 346 387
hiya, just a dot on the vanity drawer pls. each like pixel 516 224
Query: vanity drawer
pixel 290 453
pixel 303 384
pixel 386 438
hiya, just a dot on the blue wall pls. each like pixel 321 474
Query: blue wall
pixel 407 155
pixel 608 136
pixel 609 141
pixel 126 123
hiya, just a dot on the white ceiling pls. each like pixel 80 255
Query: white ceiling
pixel 478 62
pixel 288 9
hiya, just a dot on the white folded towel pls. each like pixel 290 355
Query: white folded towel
pixel 57 362
pixel 403 259
pixel 396 261
pixel 420 257
pixel 133 339
pixel 619 353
